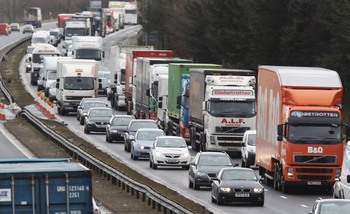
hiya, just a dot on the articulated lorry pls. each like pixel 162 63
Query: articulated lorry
pixel 118 59
pixel 221 108
pixel 299 126
pixel 172 125
pixel 76 79
pixel 87 47
pixel 44 186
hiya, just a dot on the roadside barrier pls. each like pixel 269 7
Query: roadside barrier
pixel 45 105
pixel 2 112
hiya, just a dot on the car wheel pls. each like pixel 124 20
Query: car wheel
pixel 187 167
pixel 78 118
pixel 81 122
pixel 212 199
pixel 242 163
pixel 190 183
pixel 107 140
pixel 154 166
pixel 260 203
pixel 150 163
pixel 218 201
pixel 110 140
pixel 195 186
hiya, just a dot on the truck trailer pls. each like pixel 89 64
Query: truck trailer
pixel 176 70
pixel 45 186
pixel 299 126
pixel 221 108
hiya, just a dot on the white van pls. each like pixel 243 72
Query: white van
pixel 40 37
pixel 248 148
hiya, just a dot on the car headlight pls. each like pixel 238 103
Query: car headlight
pixel 90 122
pixel 141 146
pixel 258 190
pixel 158 154
pixel 85 113
pixel 114 131
pixel 225 189
pixel 201 174
pixel 251 149
pixel 186 155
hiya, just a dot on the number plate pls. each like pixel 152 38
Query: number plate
pixel 171 160
pixel 242 195
pixel 68 108
pixel 316 183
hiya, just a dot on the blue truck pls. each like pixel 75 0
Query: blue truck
pixel 42 186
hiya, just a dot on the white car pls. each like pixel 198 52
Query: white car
pixel 52 91
pixel 169 151
pixel 248 149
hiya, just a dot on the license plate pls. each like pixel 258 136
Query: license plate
pixel 316 183
pixel 69 108
pixel 172 161
pixel 242 195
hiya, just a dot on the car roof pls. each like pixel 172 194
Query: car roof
pixel 238 169
pixel 333 200
pixel 171 137
pixel 100 108
pixel 123 115
pixel 141 120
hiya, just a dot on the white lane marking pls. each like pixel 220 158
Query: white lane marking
pixel 284 197
pixel 303 205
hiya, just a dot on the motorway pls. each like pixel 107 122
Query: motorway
pixel 299 201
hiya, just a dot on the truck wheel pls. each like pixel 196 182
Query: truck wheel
pixel 276 177
pixel 170 128
pixel 242 163
pixel 193 139
pixel 203 143
pixel 284 188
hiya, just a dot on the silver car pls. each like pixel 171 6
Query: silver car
pixel 143 141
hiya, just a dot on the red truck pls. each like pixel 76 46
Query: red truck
pixel 129 72
pixel 299 126
pixel 61 21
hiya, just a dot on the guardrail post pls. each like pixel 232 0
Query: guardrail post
pixel 159 207
pixel 143 197
pixel 153 204
pixel 137 194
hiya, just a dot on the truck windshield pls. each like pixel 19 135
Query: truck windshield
pixel 75 32
pixel 39 58
pixel 88 54
pixel 39 40
pixel 78 83
pixel 51 75
pixel 310 133
pixel 222 108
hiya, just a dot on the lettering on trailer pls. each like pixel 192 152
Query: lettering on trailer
pixel 74 191
pixel 5 195
pixel 232 92
pixel 268 114
pixel 314 114
pixel 237 122
pixel 314 150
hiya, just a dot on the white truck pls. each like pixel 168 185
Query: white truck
pixel 87 47
pixel 76 79
pixel 38 53
pixel 75 27
pixel 40 37
pixel 118 59
pixel 49 71
pixel 162 99
pixel 341 188
pixel 222 106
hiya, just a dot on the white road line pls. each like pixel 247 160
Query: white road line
pixel 303 205
pixel 284 197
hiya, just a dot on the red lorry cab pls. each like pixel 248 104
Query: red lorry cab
pixel 4 29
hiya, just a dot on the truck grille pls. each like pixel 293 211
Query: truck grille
pixel 314 177
pixel 224 129
pixel 231 138
pixel 315 159
pixel 314 170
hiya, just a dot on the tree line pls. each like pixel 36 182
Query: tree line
pixel 249 33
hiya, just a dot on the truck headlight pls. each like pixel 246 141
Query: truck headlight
pixel 212 140
pixel 290 173
pixel 337 173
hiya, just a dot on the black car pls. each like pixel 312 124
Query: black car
pixel 83 109
pixel 116 127
pixel 97 119
pixel 205 166
pixel 237 185
pixel 132 128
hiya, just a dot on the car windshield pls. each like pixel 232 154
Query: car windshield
pixel 121 121
pixel 87 106
pixel 149 135
pixel 171 143
pixel 334 207
pixel 238 175
pixel 101 113
pixel 138 125
pixel 214 160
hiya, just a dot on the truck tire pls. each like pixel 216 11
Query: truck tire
pixel 277 177
pixel 203 143
pixel 170 128
pixel 193 139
